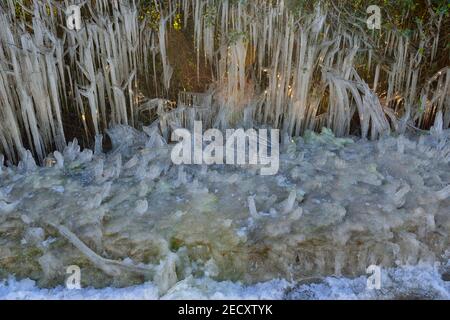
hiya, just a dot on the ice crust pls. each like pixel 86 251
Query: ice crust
pixel 335 207
pixel 420 282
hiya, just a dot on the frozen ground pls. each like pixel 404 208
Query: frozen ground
pixel 131 217
pixel 422 282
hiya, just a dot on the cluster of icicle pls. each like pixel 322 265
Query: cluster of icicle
pixel 291 70
pixel 310 66
pixel 90 74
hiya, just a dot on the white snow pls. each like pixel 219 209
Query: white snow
pixel 420 282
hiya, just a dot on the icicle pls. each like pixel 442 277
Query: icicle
pixel 59 159
pixel 399 197
pixel 27 163
pixel 98 150
pixel 72 151
pixel 290 201
pixel 2 160
pixel 438 127
pixel 252 208
pixel 167 69
pixel 166 273
pixel 97 170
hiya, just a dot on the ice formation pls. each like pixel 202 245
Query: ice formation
pixel 130 215
pixel 270 64
pixel 421 282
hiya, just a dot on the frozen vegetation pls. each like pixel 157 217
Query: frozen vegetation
pixel 268 63
pixel 131 219
pixel 130 216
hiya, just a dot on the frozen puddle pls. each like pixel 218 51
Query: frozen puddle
pixel 131 219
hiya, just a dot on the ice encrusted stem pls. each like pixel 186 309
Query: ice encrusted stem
pixel 252 207
pixel 110 267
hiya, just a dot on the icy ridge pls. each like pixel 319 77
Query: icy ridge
pixel 421 282
pixel 131 216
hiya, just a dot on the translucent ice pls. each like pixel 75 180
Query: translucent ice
pixel 335 207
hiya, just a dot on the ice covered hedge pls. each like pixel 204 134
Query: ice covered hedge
pixel 130 216
pixel 293 65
